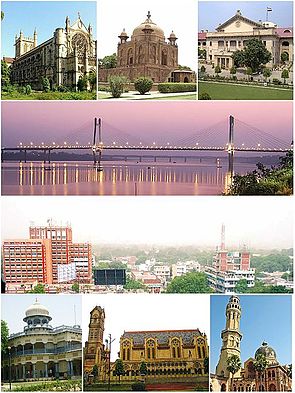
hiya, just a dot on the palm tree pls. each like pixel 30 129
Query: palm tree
pixel 233 365
pixel 260 364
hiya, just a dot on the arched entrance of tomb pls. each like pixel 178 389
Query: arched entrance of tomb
pixel 223 387
pixel 185 79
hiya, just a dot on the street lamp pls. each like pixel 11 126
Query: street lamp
pixel 9 360
pixel 109 341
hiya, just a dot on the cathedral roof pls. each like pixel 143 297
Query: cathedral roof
pixel 163 336
pixel 148 24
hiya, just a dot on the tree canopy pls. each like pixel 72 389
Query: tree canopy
pixel 4 336
pixel 108 61
pixel 277 180
pixel 189 283
pixel 254 55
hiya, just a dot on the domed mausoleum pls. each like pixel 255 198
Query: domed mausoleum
pixel 42 351
pixel 148 54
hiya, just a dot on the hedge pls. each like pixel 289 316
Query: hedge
pixel 176 87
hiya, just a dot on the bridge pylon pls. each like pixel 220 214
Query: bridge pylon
pixel 230 144
pixel 97 146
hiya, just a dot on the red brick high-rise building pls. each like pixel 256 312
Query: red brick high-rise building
pixel 46 256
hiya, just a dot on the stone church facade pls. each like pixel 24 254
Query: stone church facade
pixel 273 379
pixel 69 55
pixel 148 54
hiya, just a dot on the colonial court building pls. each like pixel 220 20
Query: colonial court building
pixel 42 351
pixel 148 54
pixel 169 354
pixel 274 378
pixel 233 35
pixel 64 58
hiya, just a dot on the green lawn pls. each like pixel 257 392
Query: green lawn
pixel 182 97
pixel 52 95
pixel 224 91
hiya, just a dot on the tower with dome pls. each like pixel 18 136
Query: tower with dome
pixel 42 351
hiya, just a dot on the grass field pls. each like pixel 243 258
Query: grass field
pixel 224 91
pixel 52 95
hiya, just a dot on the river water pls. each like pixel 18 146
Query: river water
pixel 117 178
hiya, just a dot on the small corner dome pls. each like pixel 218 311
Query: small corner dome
pixel 37 309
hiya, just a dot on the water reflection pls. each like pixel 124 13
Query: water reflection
pixel 114 179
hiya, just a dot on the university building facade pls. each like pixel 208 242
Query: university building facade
pixel 69 55
pixel 42 351
pixel 169 355
pixel 233 35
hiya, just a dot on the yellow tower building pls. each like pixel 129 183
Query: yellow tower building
pixel 231 337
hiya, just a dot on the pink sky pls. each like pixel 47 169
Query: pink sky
pixel 48 121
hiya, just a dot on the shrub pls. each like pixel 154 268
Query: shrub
pixel 276 81
pixel 28 89
pixel 203 68
pixel 117 85
pixel 176 87
pixel 62 88
pixel 205 96
pixel 82 83
pixel 21 90
pixel 138 386
pixel 45 84
pixel 143 84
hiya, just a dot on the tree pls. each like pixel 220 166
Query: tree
pixel 143 84
pixel 92 80
pixel 133 284
pixel 108 61
pixel 117 85
pixel 253 55
pixel 143 368
pixel 45 84
pixel 266 73
pixel 94 372
pixel 266 181
pixel 2 15
pixel 203 69
pixel 119 368
pixel 82 83
pixel 5 74
pixel 217 70
pixel 233 365
pixel 189 283
pixel 238 58
pixel 4 337
pixel 285 75
pixel 39 288
pixel 284 57
pixel 233 70
pixel 260 363
pixel 249 72
pixel 205 96
pixel 289 371
pixel 241 286
pixel 76 287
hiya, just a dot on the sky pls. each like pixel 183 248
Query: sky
pixel 73 121
pixel 44 16
pixel 126 312
pixel 157 220
pixel 211 13
pixel 61 309
pixel 114 15
pixel 264 318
